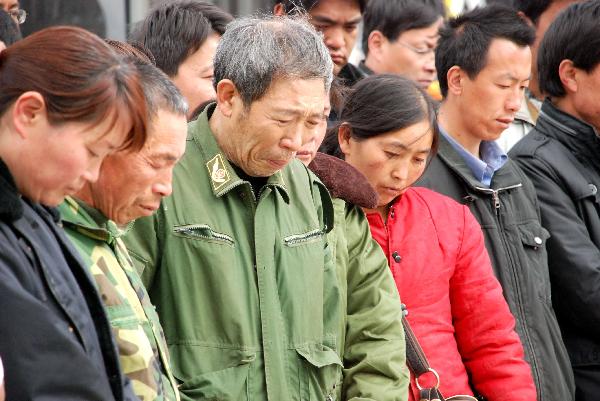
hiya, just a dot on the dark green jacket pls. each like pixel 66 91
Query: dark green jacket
pixel 247 289
pixel 508 212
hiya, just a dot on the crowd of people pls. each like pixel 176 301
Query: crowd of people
pixel 228 209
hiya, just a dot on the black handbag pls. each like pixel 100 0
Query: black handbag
pixel 419 366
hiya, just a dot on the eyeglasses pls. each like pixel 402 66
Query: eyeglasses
pixel 421 51
pixel 18 15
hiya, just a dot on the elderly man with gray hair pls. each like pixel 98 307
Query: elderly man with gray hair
pixel 237 260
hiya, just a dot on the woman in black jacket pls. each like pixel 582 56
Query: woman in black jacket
pixel 66 101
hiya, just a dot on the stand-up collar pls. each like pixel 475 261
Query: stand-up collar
pixel 576 135
pixel 222 175
pixel 11 208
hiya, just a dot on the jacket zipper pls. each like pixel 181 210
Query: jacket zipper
pixel 495 193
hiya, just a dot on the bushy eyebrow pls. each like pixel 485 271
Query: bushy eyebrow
pixel 326 20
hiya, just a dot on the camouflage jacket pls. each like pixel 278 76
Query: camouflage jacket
pixel 138 333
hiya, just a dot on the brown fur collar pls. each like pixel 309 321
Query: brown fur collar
pixel 344 181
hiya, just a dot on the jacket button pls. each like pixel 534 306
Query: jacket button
pixel 396 256
pixel 538 240
pixel 593 188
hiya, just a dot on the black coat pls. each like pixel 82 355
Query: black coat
pixel 515 240
pixel 561 156
pixel 55 339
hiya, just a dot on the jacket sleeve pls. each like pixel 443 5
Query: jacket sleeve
pixel 484 327
pixel 375 353
pixel 574 258
pixel 144 245
pixel 40 355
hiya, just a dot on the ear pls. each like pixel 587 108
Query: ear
pixel 456 79
pixel 525 18
pixel 226 96
pixel 376 42
pixel 568 74
pixel 28 111
pixel 279 10
pixel 344 138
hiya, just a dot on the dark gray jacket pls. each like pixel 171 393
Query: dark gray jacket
pixel 508 214
pixel 55 339
pixel 561 156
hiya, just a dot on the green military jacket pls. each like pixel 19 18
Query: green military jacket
pixel 245 283
pixel 372 341
pixel 142 348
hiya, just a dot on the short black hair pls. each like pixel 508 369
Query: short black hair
pixel 173 31
pixel 306 5
pixel 9 30
pixel 532 9
pixel 380 104
pixel 393 17
pixel 465 40
pixel 574 35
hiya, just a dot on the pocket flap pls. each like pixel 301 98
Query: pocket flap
pixel 533 235
pixel 319 355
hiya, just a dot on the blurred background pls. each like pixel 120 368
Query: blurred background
pixel 109 18
pixel 112 18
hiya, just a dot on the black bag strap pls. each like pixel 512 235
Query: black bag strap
pixel 415 357
pixel 417 361
pixel 418 364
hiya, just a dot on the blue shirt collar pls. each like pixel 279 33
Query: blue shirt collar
pixel 491 159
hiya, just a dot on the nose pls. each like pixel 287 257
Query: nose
pixel 429 64
pixel 513 102
pixel 400 171
pixel 294 140
pixel 92 173
pixel 334 39
pixel 164 186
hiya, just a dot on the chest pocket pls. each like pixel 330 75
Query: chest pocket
pixel 300 261
pixel 534 237
pixel 203 232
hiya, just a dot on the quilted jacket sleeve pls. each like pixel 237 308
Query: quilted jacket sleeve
pixel 375 353
pixel 490 347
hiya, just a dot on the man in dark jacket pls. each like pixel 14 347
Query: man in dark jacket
pixel 483 64
pixel 338 20
pixel 400 36
pixel 560 156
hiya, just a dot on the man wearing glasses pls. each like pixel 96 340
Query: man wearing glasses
pixel 12 8
pixel 400 36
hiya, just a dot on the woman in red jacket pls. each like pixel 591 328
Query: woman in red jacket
pixel 434 245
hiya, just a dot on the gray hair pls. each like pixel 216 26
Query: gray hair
pixel 254 52
pixel 160 92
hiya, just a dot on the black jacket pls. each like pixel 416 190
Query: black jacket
pixel 515 240
pixel 55 339
pixel 561 156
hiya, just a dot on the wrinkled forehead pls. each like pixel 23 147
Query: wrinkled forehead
pixel 294 96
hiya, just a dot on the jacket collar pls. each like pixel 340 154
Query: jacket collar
pixel 364 70
pixel 576 135
pixel 221 174
pixel 11 208
pixel 502 178
pixel 90 222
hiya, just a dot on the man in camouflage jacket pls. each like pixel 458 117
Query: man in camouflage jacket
pixel 131 186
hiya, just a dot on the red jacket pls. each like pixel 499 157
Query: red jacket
pixel 455 305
